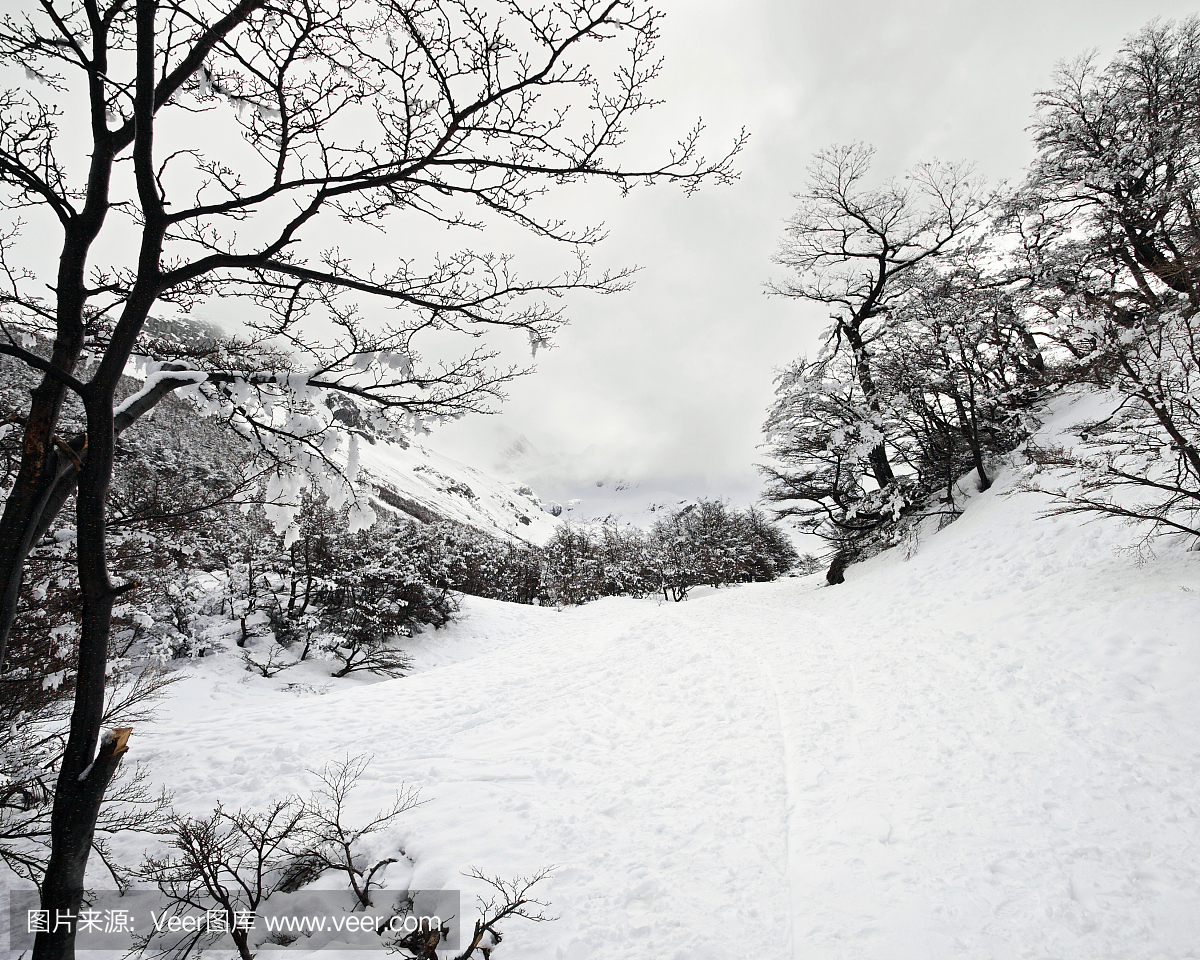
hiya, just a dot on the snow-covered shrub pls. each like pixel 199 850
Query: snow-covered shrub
pixel 704 543
pixel 707 543
pixel 484 566
pixel 384 588
pixel 627 559
pixel 343 597
pixel 573 571
pixel 766 552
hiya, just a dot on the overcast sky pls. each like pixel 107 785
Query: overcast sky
pixel 669 383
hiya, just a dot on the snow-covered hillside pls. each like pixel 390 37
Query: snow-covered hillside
pixel 425 484
pixel 991 749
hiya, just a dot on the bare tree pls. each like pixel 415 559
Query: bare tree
pixel 229 863
pixel 852 247
pixel 513 898
pixel 186 150
pixel 333 844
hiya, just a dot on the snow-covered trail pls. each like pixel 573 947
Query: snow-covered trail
pixel 990 750
pixel 641 761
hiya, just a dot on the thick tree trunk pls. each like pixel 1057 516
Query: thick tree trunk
pixel 836 573
pixel 971 432
pixel 76 805
pixel 84 774
pixel 881 467
pixel 27 505
pixel 1032 351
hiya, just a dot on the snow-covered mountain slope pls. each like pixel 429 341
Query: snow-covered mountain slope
pixel 991 749
pixel 423 483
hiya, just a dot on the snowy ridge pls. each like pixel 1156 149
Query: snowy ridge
pixel 425 484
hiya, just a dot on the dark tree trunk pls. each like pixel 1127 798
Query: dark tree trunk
pixel 971 432
pixel 76 804
pixel 1032 351
pixel 837 569
pixel 85 774
pixel 82 782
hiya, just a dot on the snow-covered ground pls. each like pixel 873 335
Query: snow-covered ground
pixel 991 749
